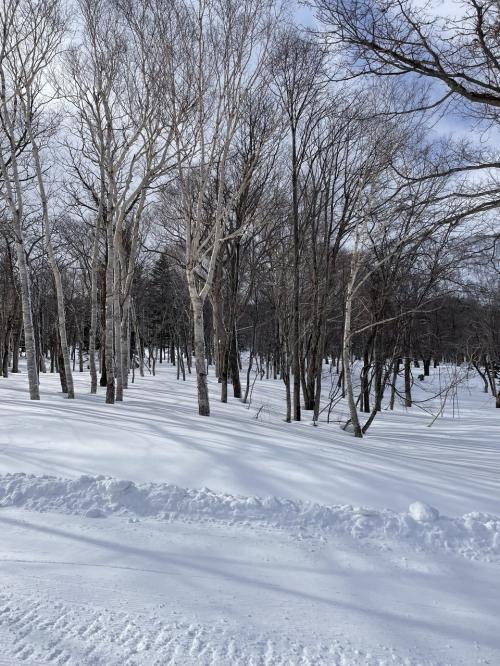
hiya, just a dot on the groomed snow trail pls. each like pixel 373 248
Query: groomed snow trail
pixel 201 582
pixel 69 634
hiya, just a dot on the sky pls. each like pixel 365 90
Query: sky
pixel 454 123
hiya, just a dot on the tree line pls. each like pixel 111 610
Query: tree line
pixel 201 182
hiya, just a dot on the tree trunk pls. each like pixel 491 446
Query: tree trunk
pixel 346 342
pixel 62 331
pixel 395 373
pixel 199 349
pixel 60 365
pixel 286 379
pixel 296 283
pixel 486 387
pixel 94 305
pixel 365 386
pixel 234 365
pixel 407 369
pixel 137 342
pixel 16 343
pixel 29 332
pixel 108 346
pixel 39 348
pixel 218 332
pixel 14 194
pixel 125 341
pixel 6 349
pixel 80 355
pixel 61 315
pixel 223 375
pixel 353 412
pixel 317 396
pixel 491 377
pixel 249 370
pixel 117 320
pixel 313 368
pixel 379 383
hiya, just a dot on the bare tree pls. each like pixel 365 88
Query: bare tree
pixel 299 78
pixel 31 32
pixel 224 50
pixel 127 140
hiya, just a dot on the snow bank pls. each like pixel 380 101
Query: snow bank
pixel 474 535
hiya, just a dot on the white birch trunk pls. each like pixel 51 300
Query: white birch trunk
pixel 347 338
pixel 108 344
pixel 61 315
pixel 15 204
pixel 117 328
pixel 199 348
pixel 93 290
pixel 29 332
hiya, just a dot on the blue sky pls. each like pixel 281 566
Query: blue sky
pixel 454 122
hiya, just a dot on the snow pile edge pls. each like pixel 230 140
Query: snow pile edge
pixel 474 535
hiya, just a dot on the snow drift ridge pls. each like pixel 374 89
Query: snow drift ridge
pixel 474 535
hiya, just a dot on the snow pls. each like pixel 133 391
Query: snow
pixel 423 513
pixel 142 534
pixel 84 591
pixel 156 435
pixel 474 535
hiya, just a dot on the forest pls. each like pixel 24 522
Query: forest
pixel 185 182
pixel 249 332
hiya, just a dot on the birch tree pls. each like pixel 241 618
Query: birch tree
pixel 31 31
pixel 127 141
pixel 47 26
pixel 225 44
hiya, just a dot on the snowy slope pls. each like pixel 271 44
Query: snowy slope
pixel 89 591
pixel 156 435
pixel 310 547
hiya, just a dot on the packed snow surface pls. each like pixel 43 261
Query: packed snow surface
pixel 209 584
pixel 81 591
pixel 310 548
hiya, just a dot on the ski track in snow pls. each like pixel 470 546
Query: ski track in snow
pixel 86 596
pixel 74 635
pixel 474 535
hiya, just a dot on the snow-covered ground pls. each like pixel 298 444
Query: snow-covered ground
pixel 310 547
pixel 156 435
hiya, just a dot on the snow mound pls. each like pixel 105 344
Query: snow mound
pixel 423 513
pixel 474 535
